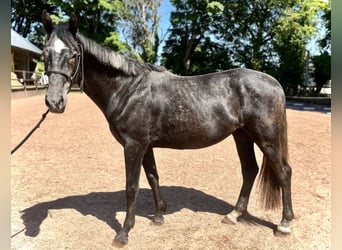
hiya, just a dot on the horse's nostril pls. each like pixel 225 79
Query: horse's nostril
pixel 56 104
pixel 60 101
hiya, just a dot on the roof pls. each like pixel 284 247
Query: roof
pixel 20 42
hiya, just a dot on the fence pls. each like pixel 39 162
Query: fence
pixel 26 83
pixel 323 101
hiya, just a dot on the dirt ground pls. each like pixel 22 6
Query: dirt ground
pixel 68 187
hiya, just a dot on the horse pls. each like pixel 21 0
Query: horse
pixel 147 106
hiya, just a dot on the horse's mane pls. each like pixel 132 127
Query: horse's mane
pixel 114 59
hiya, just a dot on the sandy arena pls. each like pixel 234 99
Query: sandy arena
pixel 68 185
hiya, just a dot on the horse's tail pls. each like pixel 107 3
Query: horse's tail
pixel 268 182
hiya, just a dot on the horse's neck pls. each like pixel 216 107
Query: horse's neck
pixel 101 82
pixel 106 71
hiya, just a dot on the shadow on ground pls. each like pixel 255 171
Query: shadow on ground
pixel 105 205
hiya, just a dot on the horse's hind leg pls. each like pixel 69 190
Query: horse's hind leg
pixel 153 179
pixel 276 172
pixel 280 172
pixel 249 167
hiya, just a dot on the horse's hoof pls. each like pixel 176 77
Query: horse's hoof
pixel 229 220
pixel 157 220
pixel 117 244
pixel 232 217
pixel 282 231
pixel 120 240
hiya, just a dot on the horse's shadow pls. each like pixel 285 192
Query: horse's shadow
pixel 105 205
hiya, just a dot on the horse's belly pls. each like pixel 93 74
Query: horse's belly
pixel 192 136
pixel 192 124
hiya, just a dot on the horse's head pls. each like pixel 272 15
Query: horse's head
pixel 62 57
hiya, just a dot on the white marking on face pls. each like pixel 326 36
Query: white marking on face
pixel 58 45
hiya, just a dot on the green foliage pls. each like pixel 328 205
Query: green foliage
pixel 205 36
pixel 269 36
pixel 322 62
pixel 26 16
pixel 188 44
pixel 294 29
pixel 248 28
pixel 325 42
pixel 202 58
pixel 214 8
pixel 113 41
pixel 139 23
pixel 322 71
pixel 97 18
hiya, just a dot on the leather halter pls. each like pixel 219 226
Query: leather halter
pixel 78 68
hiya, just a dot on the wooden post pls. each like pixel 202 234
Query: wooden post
pixel 24 79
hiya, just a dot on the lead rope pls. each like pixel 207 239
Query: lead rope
pixel 31 132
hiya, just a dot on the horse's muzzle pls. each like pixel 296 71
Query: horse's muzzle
pixel 55 104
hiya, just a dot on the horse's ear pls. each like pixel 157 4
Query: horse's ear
pixel 73 24
pixel 47 22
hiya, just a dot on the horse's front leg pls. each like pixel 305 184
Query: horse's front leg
pixel 134 153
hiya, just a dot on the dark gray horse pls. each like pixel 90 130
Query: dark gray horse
pixel 147 106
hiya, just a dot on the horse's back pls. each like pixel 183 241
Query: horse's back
pixel 245 88
pixel 232 78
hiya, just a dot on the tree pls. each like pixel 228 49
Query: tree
pixel 191 23
pixel 295 28
pixel 322 62
pixel 96 18
pixel 99 20
pixel 291 57
pixel 322 71
pixel 271 36
pixel 325 42
pixel 248 28
pixel 26 16
pixel 210 56
pixel 140 28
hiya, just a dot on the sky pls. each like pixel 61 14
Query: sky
pixel 165 10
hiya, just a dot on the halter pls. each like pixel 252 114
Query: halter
pixel 72 77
